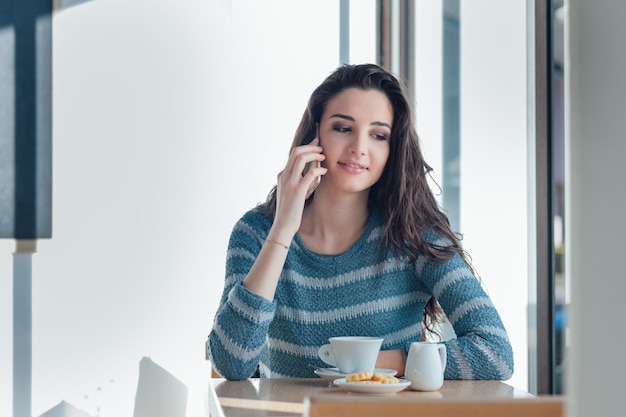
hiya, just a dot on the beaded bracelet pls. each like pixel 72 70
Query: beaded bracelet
pixel 278 243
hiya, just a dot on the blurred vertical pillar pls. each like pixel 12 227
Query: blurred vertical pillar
pixel 25 163
pixel 384 33
pixel 451 112
pixel 22 327
pixel 25 119
pixel 396 40
pixel 541 313
pixel 344 32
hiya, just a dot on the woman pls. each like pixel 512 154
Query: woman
pixel 369 253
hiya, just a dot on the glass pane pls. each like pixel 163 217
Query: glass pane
pixel 472 120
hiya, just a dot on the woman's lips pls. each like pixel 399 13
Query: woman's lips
pixel 352 166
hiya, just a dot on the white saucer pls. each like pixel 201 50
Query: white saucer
pixel 331 374
pixel 378 389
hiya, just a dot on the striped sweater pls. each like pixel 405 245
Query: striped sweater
pixel 355 293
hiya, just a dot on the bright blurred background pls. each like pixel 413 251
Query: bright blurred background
pixel 172 118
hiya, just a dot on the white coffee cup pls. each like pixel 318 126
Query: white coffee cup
pixel 351 353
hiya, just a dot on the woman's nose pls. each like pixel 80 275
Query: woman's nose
pixel 359 144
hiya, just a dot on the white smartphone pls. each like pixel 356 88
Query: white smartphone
pixel 313 164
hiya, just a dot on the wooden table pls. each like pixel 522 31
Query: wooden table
pixel 317 398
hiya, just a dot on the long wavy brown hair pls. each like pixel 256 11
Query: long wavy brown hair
pixel 403 192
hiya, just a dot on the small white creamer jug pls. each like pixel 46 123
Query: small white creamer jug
pixel 425 366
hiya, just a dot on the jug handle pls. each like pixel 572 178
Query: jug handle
pixel 443 354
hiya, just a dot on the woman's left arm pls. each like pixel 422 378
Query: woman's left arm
pixel 482 349
pixel 392 359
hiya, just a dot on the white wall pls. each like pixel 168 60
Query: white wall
pixel 596 205
pixel 158 118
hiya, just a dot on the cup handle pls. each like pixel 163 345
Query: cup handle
pixel 326 354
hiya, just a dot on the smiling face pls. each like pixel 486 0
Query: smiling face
pixel 354 131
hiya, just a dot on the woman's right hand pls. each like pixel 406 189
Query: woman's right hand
pixel 292 187
pixel 291 190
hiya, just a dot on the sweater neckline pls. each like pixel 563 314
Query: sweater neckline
pixel 372 222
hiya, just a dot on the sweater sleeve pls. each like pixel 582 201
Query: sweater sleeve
pixel 482 349
pixel 242 320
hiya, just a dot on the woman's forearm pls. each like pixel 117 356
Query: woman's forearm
pixel 392 359
pixel 262 279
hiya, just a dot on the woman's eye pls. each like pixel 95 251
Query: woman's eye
pixel 379 136
pixel 341 129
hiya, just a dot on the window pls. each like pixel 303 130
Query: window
pixel 469 75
